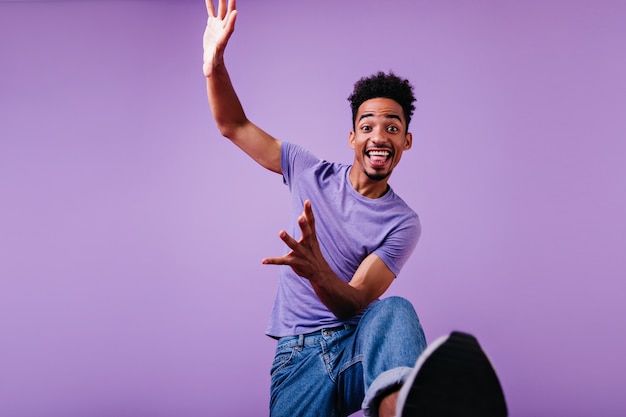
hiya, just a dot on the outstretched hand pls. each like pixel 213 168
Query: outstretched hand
pixel 219 27
pixel 305 258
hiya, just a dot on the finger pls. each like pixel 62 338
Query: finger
pixel 274 261
pixel 307 221
pixel 308 212
pixel 221 9
pixel 232 5
pixel 209 8
pixel 230 22
pixel 289 241
pixel 304 226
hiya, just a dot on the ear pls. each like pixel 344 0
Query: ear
pixel 351 139
pixel 408 141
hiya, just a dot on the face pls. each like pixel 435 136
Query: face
pixel 379 137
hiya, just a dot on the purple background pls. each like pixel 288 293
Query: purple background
pixel 131 234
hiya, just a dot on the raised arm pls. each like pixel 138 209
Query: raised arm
pixel 227 111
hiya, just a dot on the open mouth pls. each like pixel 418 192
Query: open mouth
pixel 378 157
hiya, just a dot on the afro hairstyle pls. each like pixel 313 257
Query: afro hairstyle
pixel 383 85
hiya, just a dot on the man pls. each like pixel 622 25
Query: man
pixel 339 347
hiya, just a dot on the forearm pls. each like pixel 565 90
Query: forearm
pixel 225 105
pixel 343 299
pixel 340 297
pixel 369 282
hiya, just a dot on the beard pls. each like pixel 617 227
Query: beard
pixel 377 176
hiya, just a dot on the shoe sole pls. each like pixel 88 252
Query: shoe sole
pixel 452 377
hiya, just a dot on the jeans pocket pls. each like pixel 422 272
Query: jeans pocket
pixel 282 359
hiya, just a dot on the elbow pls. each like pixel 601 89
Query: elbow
pixel 226 130
pixel 230 130
pixel 343 316
pixel 347 311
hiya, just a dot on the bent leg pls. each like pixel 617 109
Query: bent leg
pixel 388 340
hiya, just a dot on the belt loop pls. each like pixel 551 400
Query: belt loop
pixel 301 340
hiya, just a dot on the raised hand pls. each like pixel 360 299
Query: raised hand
pixel 305 258
pixel 219 27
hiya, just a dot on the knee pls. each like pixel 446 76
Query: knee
pixel 396 315
pixel 395 303
pixel 396 306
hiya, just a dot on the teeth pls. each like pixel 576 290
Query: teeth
pixel 378 153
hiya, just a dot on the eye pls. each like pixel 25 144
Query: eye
pixel 393 129
pixel 366 128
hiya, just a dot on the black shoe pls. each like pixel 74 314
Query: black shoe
pixel 452 377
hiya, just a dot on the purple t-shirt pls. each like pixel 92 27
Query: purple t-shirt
pixel 349 227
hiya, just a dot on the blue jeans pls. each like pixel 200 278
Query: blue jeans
pixel 336 372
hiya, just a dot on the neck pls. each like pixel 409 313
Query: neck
pixel 366 186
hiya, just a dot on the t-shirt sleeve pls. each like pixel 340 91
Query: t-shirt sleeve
pixel 399 244
pixel 293 160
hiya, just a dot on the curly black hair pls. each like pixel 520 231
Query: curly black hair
pixel 383 85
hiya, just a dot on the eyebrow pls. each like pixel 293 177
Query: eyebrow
pixel 388 116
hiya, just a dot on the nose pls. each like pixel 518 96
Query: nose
pixel 378 136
